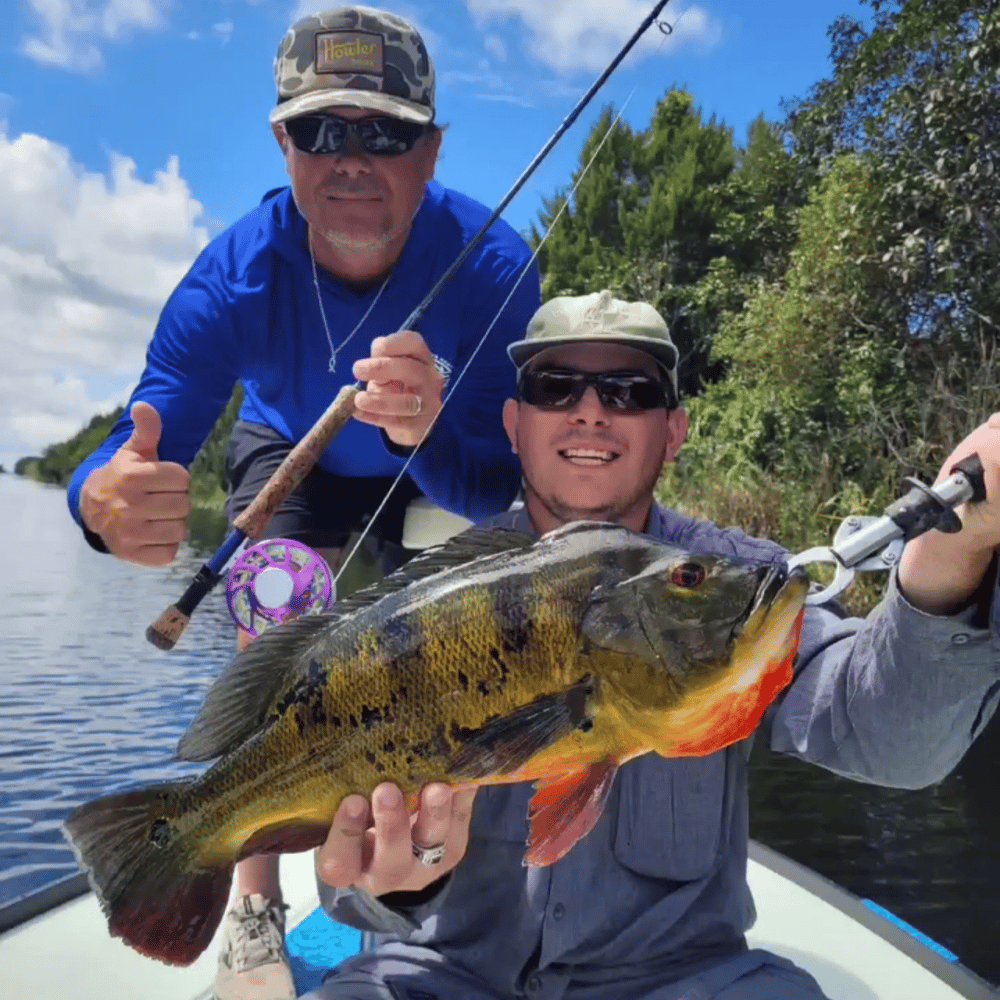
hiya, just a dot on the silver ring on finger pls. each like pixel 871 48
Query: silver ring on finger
pixel 420 407
pixel 429 856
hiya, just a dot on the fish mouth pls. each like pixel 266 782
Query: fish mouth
pixel 775 583
pixel 589 457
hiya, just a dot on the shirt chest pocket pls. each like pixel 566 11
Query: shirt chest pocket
pixel 670 815
pixel 500 812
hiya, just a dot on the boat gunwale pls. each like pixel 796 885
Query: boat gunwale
pixel 29 906
pixel 959 977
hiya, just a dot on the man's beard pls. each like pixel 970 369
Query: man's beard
pixel 616 509
pixel 341 241
pixel 362 244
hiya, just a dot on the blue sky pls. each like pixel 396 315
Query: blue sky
pixel 131 131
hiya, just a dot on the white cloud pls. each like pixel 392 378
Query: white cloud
pixel 569 35
pixel 60 407
pixel 224 29
pixel 86 262
pixel 70 30
pixel 521 102
pixel 496 47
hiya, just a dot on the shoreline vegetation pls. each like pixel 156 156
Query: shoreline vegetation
pixel 207 522
pixel 832 282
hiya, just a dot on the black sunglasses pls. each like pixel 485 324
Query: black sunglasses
pixel 381 136
pixel 562 388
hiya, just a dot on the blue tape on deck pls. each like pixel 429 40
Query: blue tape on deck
pixel 949 956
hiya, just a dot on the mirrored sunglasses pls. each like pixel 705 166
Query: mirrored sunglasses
pixel 328 134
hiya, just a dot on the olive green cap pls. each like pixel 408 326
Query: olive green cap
pixel 598 318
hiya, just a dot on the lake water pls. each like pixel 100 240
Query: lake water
pixel 87 706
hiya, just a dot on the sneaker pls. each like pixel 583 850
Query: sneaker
pixel 253 963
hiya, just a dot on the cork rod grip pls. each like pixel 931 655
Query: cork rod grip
pixel 296 465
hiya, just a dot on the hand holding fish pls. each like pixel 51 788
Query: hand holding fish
pixel 371 845
pixel 939 572
pixel 136 503
pixel 404 387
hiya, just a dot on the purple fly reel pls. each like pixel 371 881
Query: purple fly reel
pixel 276 580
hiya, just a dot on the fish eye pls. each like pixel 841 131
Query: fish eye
pixel 687 575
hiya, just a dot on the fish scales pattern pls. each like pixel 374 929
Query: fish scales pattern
pixel 477 654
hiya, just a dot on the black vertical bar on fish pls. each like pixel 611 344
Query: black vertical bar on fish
pixel 167 629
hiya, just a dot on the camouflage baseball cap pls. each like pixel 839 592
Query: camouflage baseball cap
pixel 356 56
pixel 600 318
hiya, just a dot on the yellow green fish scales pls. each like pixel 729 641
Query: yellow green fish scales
pixel 495 658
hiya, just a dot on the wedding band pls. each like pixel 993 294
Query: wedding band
pixel 429 856
pixel 420 407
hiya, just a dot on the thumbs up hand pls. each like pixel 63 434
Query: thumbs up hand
pixel 146 432
pixel 136 503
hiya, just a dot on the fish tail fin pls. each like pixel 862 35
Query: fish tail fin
pixel 158 897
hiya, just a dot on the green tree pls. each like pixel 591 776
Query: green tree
pixel 808 356
pixel 208 470
pixel 917 94
pixel 642 218
pixel 58 461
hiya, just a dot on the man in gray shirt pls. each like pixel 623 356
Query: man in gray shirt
pixel 653 904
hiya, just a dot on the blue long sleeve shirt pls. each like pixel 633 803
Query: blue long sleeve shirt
pixel 247 311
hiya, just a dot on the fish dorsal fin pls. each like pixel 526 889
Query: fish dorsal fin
pixel 238 703
pixel 572 528
pixel 476 543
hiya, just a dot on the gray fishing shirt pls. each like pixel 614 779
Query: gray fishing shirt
pixel 658 890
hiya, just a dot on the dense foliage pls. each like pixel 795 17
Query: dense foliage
pixel 57 463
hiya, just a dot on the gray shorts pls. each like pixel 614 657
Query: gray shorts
pixel 326 509
pixel 409 972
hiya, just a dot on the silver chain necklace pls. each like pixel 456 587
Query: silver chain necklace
pixel 326 326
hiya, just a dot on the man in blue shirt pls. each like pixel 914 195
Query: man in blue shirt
pixel 653 903
pixel 287 302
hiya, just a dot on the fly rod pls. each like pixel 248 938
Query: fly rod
pixel 168 628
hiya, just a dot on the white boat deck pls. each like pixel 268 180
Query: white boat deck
pixel 855 954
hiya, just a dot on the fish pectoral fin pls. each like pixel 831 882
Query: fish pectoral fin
pixel 238 703
pixel 508 743
pixel 565 808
